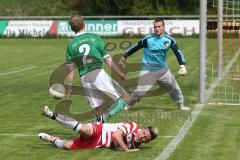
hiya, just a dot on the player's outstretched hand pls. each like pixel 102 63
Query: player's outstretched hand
pixel 133 150
pixel 122 62
pixel 183 70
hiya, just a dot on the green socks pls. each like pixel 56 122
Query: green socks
pixel 116 107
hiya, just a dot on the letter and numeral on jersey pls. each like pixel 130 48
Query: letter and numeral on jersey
pixel 85 49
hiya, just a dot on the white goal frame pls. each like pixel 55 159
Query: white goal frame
pixel 222 71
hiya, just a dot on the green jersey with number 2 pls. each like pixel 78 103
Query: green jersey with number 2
pixel 86 51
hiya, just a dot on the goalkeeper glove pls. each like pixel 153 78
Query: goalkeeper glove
pixel 183 70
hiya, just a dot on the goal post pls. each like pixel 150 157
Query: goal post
pixel 202 49
pixel 220 38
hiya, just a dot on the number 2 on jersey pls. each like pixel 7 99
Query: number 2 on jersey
pixel 85 49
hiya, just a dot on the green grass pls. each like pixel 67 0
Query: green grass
pixel 215 135
pixel 24 93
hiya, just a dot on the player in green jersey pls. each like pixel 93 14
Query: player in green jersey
pixel 86 51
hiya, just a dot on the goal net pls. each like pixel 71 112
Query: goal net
pixel 223 52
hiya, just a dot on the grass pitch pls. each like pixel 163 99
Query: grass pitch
pixel 25 67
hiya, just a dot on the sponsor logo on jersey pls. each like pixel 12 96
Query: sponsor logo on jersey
pixel 166 44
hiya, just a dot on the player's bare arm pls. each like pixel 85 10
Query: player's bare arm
pixel 114 67
pixel 69 79
pixel 118 137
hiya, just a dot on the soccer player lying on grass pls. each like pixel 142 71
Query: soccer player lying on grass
pixel 120 136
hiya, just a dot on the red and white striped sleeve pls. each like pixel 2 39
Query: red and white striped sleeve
pixel 128 127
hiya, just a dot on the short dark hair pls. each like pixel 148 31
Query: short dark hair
pixel 159 20
pixel 76 23
pixel 153 132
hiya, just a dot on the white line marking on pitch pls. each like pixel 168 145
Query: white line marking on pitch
pixel 224 104
pixel 23 135
pixel 17 71
pixel 187 125
pixel 17 135
pixel 181 134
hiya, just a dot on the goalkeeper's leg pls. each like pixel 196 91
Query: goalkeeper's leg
pixel 146 80
pixel 168 81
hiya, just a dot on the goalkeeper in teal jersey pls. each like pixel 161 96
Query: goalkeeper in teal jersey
pixel 86 51
pixel 154 68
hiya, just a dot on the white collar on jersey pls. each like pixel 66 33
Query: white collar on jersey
pixel 79 33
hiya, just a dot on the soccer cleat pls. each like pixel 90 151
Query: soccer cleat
pixel 100 118
pixel 127 107
pixel 46 112
pixel 47 137
pixel 181 106
pixel 184 108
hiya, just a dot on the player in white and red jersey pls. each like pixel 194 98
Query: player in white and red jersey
pixel 126 136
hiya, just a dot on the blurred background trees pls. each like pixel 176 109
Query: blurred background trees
pixel 98 7
pixel 133 7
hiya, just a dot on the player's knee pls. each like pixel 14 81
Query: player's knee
pixel 68 144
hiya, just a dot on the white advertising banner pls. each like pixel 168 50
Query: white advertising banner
pixel 105 28
pixel 32 28
pixel 183 27
pixel 135 27
pixel 101 27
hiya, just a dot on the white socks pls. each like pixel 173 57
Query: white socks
pixel 69 122
pixel 54 140
pixel 64 120
pixel 59 143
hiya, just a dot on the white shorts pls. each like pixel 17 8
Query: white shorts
pixel 97 82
